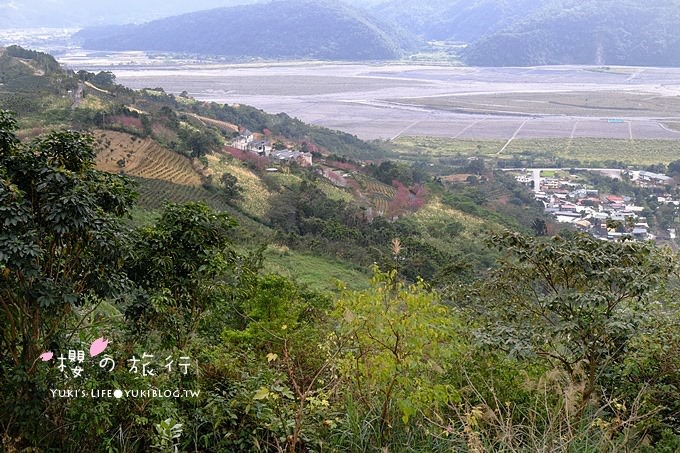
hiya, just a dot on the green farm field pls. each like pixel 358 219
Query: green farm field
pixel 586 150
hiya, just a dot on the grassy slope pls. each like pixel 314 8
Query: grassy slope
pixel 144 158
pixel 318 272
pixel 251 209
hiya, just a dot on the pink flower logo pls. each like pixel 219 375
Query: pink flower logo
pixel 46 356
pixel 98 346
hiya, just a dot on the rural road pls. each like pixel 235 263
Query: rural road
pixel 78 96
pixel 513 137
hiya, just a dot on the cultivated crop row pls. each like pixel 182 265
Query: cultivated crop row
pixel 159 163
pixel 154 193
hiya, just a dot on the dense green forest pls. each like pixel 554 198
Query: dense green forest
pixel 530 32
pixel 455 20
pixel 146 314
pixel 616 32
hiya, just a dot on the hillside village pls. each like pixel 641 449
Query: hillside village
pixel 246 141
pixel 255 145
pixel 605 216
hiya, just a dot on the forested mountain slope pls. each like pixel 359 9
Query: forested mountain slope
pixel 455 20
pixel 277 30
pixel 620 32
pixel 348 206
pixel 530 32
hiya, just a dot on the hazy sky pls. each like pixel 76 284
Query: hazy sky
pixel 81 13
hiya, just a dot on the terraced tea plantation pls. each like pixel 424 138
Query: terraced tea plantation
pixel 144 158
pixel 378 193
pixel 154 193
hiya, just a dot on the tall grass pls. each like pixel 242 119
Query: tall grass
pixel 551 423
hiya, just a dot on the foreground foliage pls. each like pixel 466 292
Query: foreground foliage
pixel 565 344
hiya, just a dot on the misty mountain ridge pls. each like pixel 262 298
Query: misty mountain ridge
pixel 455 20
pixel 498 32
pixel 548 32
pixel 299 29
pixel 614 32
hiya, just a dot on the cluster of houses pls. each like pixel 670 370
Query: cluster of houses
pixel 649 179
pixel 246 142
pixel 608 217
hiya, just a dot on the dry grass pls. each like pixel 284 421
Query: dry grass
pixel 459 177
pixel 256 196
pixel 335 193
pixel 143 158
pixel 92 103
pixel 284 177
pixel 423 147
pixel 435 211
pixel 221 124
pixel 551 423
pixel 673 126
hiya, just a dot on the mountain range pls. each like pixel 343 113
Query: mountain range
pixel 540 32
pixel 611 32
pixel 495 32
pixel 86 13
pixel 277 30
pixel 455 20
